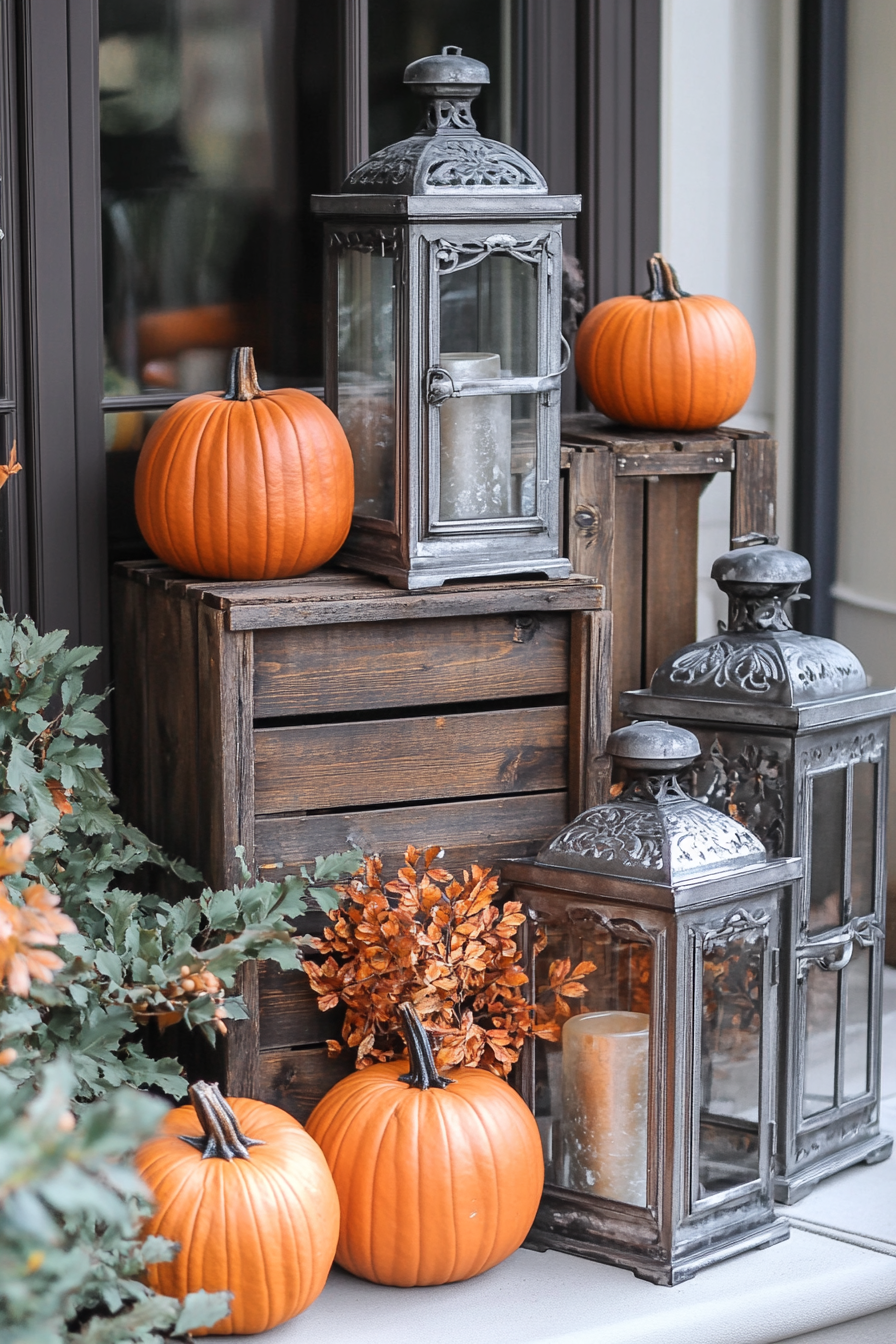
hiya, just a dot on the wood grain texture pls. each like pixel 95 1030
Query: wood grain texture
pixel 297 1079
pixel 330 669
pixel 754 487
pixel 589 679
pixel 689 463
pixel 670 569
pixel 328 766
pixel 288 1012
pixel 592 515
pixel 226 744
pixel 628 592
pixel 482 831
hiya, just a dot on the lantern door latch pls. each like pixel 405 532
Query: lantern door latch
pixel 440 385
pixel 834 952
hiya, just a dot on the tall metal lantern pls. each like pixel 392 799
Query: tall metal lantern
pixel 656 1103
pixel 443 349
pixel 794 744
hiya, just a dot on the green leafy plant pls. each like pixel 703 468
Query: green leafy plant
pixel 88 957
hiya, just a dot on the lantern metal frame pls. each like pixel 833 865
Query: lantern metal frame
pixel 775 711
pixel 597 874
pixel 445 200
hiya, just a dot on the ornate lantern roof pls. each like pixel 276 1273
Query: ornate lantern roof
pixel 446 153
pixel 653 832
pixel 760 657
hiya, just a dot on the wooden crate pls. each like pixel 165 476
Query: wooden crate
pixel 297 717
pixel 632 501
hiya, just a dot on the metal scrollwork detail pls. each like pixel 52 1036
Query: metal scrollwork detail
pixel 755 668
pixel 585 919
pixel 386 168
pixel 741 923
pixel 823 667
pixel 458 256
pixel 750 786
pixel 380 241
pixel 845 751
pixel 834 951
pixel 630 837
pixel 478 163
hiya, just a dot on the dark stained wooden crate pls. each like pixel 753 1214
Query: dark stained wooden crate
pixel 298 717
pixel 632 504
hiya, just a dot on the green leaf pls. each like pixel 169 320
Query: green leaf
pixel 202 1309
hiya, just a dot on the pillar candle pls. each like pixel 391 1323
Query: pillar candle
pixel 605 1058
pixel 474 448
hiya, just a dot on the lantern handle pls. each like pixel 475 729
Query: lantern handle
pixel 567 353
pixel 834 953
pixel 440 385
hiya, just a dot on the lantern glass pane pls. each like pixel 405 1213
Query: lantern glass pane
pixel 828 843
pixel 488 330
pixel 730 1063
pixel 858 1009
pixel 864 827
pixel 822 988
pixel 366 376
pixel 591 1085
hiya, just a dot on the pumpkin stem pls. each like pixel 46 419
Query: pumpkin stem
pixel 242 380
pixel 423 1072
pixel 664 283
pixel 223 1136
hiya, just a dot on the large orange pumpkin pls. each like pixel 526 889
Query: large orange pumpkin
pixel 439 1178
pixel 256 1215
pixel 246 484
pixel 666 359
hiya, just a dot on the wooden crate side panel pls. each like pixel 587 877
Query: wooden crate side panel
pixel 628 592
pixel 226 745
pixel 672 507
pixel 482 831
pixel 332 669
pixel 340 765
pixel 591 513
pixel 754 487
pixel 288 1010
pixel 589 709
pixel 296 1080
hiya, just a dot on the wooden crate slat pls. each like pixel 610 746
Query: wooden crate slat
pixel 296 1080
pixel 484 831
pixel 349 667
pixel 289 1014
pixel 335 765
pixel 671 521
pixel 675 464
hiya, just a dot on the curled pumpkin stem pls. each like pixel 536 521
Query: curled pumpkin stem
pixel 242 380
pixel 423 1072
pixel 222 1136
pixel 664 282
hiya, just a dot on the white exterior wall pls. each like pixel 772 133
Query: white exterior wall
pixel 866 562
pixel 728 197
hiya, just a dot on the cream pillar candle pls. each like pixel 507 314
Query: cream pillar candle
pixel 474 448
pixel 605 1104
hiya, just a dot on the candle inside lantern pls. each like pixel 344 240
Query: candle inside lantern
pixel 475 441
pixel 605 1058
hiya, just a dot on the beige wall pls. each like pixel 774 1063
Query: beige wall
pixel 728 192
pixel 866 550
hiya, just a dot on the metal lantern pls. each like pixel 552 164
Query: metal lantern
pixel 656 1104
pixel 794 745
pixel 444 351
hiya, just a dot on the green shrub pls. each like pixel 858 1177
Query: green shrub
pixel 86 956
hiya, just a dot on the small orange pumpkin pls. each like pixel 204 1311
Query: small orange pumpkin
pixel 666 359
pixel 246 484
pixel 257 1216
pixel 439 1178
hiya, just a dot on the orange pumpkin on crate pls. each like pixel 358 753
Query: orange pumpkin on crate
pixel 439 1178
pixel 666 359
pixel 246 484
pixel 249 1197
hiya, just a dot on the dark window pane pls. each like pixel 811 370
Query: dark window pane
pixel 828 827
pixel 730 1059
pixel 821 991
pixel 592 1086
pixel 403 30
pixel 864 819
pixel 216 120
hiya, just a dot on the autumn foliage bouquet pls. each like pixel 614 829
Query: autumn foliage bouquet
pixel 440 943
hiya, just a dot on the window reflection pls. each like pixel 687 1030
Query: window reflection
pixel 214 121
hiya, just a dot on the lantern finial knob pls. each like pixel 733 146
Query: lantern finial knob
pixel 449 83
pixel 759 579
pixel 653 747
